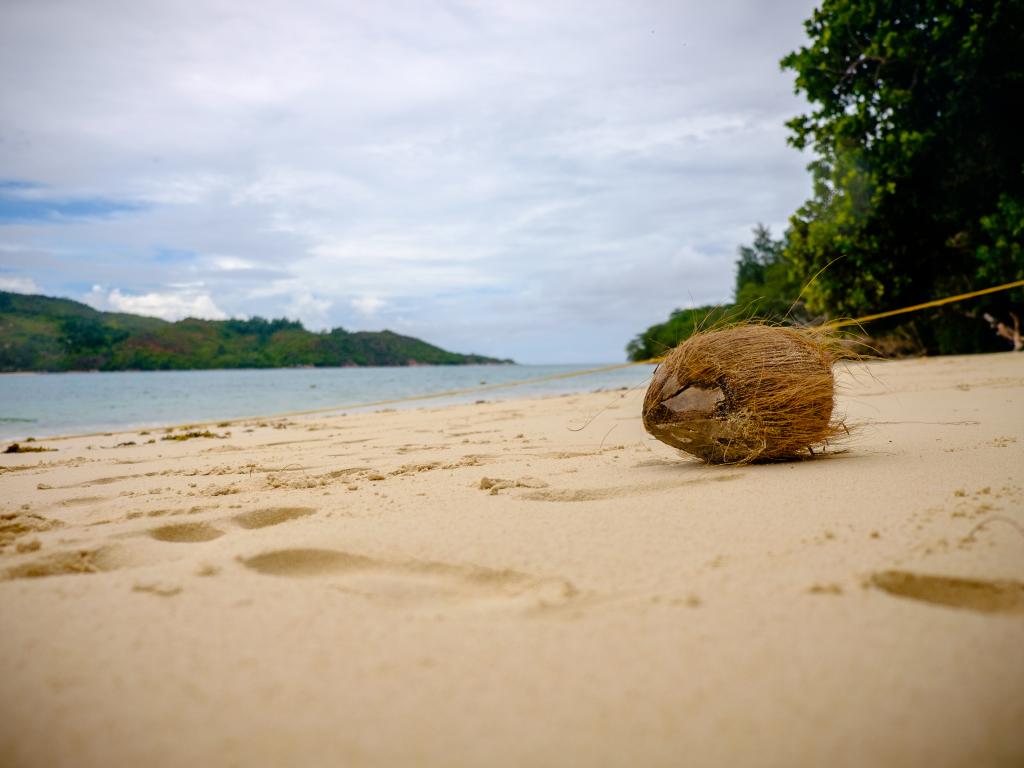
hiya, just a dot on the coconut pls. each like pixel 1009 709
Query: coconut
pixel 746 393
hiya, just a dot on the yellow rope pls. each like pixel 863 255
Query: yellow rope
pixel 925 305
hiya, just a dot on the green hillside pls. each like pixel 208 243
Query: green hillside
pixel 39 333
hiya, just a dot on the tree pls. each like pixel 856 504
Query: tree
pixel 764 290
pixel 681 324
pixel 919 164
pixel 765 285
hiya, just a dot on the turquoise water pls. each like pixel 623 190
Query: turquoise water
pixel 37 405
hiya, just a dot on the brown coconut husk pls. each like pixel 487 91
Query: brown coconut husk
pixel 746 393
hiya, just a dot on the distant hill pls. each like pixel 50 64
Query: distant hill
pixel 40 333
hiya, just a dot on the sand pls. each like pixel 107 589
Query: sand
pixel 489 584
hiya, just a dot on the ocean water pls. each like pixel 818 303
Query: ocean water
pixel 37 405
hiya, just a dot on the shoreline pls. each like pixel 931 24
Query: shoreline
pixel 526 581
pixel 118 430
pixel 454 395
pixel 499 364
pixel 341 410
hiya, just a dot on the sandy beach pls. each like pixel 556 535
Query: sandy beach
pixel 524 582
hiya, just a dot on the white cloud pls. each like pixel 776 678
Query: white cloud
pixel 180 188
pixel 183 302
pixel 475 174
pixel 19 285
pixel 231 264
pixel 368 305
pixel 309 308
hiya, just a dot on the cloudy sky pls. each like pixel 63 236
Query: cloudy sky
pixel 536 180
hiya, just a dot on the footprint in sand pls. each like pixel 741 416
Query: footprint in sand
pixel 103 558
pixel 262 518
pixel 101 481
pixel 63 563
pixel 413 581
pixel 186 533
pixel 191 533
pixel 984 596
pixel 599 494
pixel 80 500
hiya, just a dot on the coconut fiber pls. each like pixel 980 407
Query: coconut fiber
pixel 746 393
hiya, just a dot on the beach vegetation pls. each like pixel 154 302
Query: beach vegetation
pixel 918 166
pixel 194 433
pixel 765 289
pixel 19 448
pixel 917 170
pixel 40 333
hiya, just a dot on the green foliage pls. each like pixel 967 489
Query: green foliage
pixel 682 323
pixel 1001 253
pixel 755 259
pixel 917 177
pixel 38 333
pixel 765 290
pixel 88 342
pixel 765 286
pixel 258 326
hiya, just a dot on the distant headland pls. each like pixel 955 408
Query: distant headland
pixel 42 333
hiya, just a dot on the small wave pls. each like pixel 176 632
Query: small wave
pixel 15 420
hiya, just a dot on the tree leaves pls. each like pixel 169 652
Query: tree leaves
pixel 917 166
